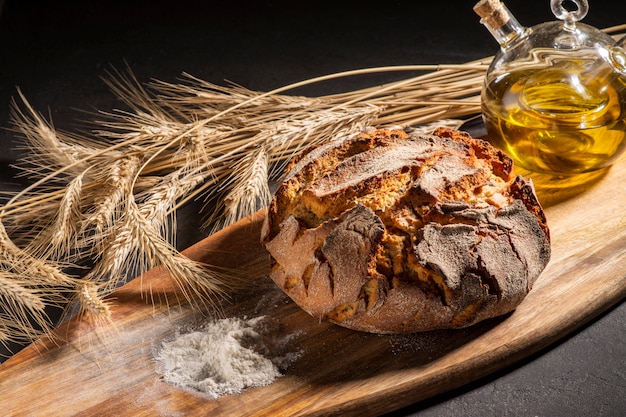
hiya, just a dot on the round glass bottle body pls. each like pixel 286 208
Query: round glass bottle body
pixel 553 101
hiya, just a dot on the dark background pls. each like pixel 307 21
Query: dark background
pixel 56 52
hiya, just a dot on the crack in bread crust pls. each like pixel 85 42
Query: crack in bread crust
pixel 392 232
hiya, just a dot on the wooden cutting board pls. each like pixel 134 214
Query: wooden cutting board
pixel 111 370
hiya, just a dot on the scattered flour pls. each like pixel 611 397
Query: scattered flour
pixel 226 356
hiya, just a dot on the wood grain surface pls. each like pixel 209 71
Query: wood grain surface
pixel 110 370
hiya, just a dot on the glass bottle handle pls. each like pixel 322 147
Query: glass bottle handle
pixel 569 16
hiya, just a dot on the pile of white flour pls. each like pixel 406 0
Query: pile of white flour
pixel 226 356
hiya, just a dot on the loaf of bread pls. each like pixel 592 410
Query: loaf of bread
pixel 394 232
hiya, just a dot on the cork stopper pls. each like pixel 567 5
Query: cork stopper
pixel 492 13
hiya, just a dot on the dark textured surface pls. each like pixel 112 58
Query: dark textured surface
pixel 56 52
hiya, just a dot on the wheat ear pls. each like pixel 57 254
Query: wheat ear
pixel 23 308
pixel 248 188
pixel 39 271
pixel 48 149
pixel 91 303
pixel 115 186
pixel 62 236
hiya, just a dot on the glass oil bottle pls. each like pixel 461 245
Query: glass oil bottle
pixel 554 97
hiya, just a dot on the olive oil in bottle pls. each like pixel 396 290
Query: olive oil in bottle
pixel 554 121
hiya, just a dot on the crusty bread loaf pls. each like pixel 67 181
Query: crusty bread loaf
pixel 392 232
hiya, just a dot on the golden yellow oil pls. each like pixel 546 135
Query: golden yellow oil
pixel 554 121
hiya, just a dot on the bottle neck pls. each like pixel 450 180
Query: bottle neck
pixel 507 34
pixel 502 25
